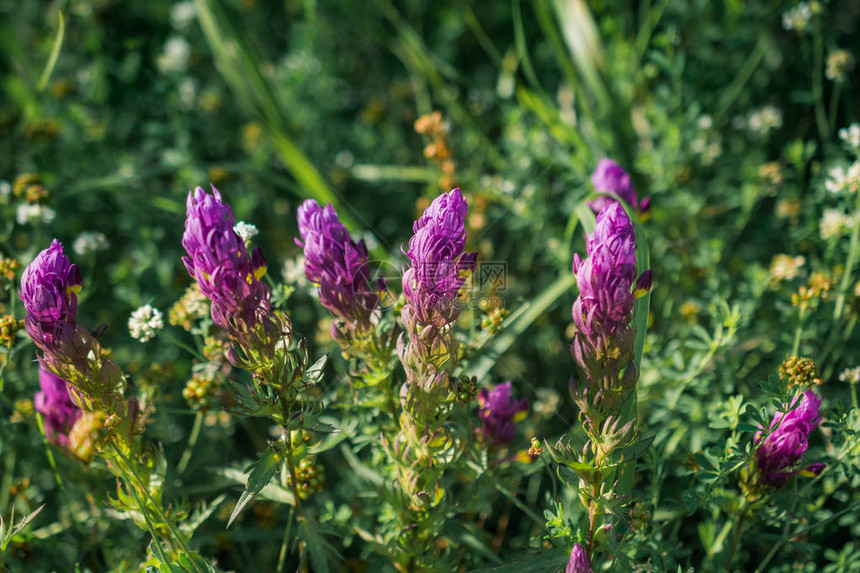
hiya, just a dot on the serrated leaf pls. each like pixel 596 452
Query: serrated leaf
pixel 313 541
pixel 315 373
pixel 260 473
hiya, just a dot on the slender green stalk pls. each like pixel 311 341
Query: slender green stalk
pixel 130 472
pixel 156 541
pixel 853 251
pixel 817 83
pixel 833 108
pixel 192 441
pixel 854 395
pixel 742 515
pixel 193 352
pixel 798 333
pixel 282 555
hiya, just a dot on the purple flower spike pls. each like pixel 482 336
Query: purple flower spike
pixel 579 561
pixel 438 263
pixel 49 288
pixel 610 177
pixel 606 279
pixel 57 409
pixel 608 289
pixel 498 413
pixel 780 452
pixel 218 260
pixel 438 266
pixel 338 266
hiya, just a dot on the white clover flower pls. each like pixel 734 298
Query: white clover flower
pixel 839 64
pixel 840 180
pixel 834 223
pixel 764 119
pixel 547 401
pixel 293 272
pixel 797 18
pixel 30 214
pixel 699 145
pixel 182 13
pixel 850 375
pixel 714 150
pixel 187 92
pixel 705 122
pixel 851 135
pixel 175 56
pixel 344 159
pixel 89 242
pixel 785 267
pixel 246 231
pixel 145 322
pixel 5 190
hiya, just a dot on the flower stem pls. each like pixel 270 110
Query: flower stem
pixel 130 472
pixel 736 537
pixel 817 88
pixel 282 556
pixel 849 266
pixel 192 441
pixel 798 332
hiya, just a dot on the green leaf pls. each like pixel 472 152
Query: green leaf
pixel 312 538
pixel 487 356
pixel 314 374
pixel 361 470
pixel 547 561
pixel 260 473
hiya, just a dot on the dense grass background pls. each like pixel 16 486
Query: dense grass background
pixel 722 115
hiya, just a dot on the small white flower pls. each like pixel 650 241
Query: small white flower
pixel 187 92
pixel 698 145
pixel 851 135
pixel 29 214
pixel 127 170
pixel 764 119
pixel 840 180
pixel 785 267
pixel 797 18
pixel 839 64
pixel 246 231
pixel 5 190
pixel 175 56
pixel 705 122
pixel 293 272
pixel 834 223
pixel 89 242
pixel 182 13
pixel 145 322
pixel 344 159
pixel 850 375
pixel 547 401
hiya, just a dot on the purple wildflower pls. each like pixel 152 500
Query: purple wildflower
pixel 610 177
pixel 218 260
pixel 498 413
pixel 49 288
pixel 428 347
pixel 579 561
pixel 57 409
pixel 338 266
pixel 608 288
pixel 438 263
pixel 781 451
